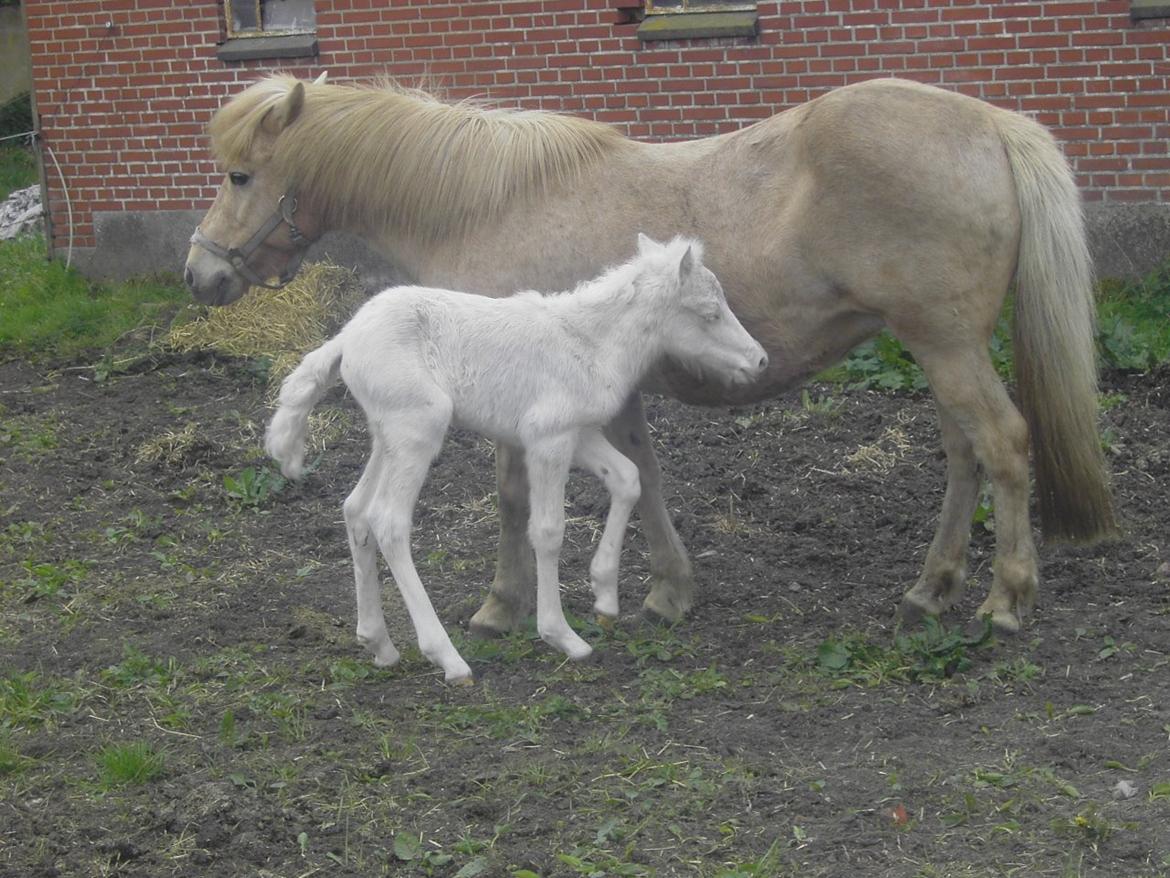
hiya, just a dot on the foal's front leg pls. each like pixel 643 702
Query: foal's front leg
pixel 621 480
pixel 548 470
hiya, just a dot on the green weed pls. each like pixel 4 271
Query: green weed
pixel 933 653
pixel 253 487
pixel 18 169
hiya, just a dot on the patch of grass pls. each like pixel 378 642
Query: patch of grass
pixel 27 700
pixel 47 310
pixel 1133 332
pixel 18 169
pixel 124 764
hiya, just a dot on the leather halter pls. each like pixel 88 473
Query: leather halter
pixel 238 256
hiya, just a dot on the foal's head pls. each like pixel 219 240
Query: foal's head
pixel 697 326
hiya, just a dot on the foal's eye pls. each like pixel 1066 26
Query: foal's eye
pixel 238 178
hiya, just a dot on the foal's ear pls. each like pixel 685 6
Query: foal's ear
pixel 644 244
pixel 286 111
pixel 320 80
pixel 686 265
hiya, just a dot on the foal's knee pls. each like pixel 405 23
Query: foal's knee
pixel 625 484
pixel 546 536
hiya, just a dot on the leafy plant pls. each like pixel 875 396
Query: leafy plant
pixel 933 653
pixel 253 487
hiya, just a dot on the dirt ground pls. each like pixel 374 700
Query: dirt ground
pixel 781 729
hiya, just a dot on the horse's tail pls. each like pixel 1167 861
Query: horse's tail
pixel 285 439
pixel 1054 338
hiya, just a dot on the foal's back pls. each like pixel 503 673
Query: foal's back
pixel 497 363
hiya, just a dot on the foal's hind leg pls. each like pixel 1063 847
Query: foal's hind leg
pixel 945 570
pixel 621 480
pixel 363 546
pixel 966 385
pixel 672 581
pixel 411 444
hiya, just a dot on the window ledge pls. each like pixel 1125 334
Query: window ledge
pixel 1141 9
pixel 699 25
pixel 284 46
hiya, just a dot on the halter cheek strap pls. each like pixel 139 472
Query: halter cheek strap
pixel 238 257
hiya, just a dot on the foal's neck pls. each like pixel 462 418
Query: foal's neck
pixel 619 323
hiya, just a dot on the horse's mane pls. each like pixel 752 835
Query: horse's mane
pixel 388 157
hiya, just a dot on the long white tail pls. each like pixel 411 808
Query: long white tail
pixel 285 439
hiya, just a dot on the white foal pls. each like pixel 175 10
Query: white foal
pixel 543 373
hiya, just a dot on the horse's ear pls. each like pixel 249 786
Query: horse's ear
pixel 687 264
pixel 644 244
pixel 320 80
pixel 285 113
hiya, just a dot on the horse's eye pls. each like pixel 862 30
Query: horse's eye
pixel 238 178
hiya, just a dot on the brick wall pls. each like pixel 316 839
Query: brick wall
pixel 124 88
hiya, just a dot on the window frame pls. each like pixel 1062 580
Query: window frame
pixel 261 31
pixel 696 7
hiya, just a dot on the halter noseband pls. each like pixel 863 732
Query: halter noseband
pixel 238 256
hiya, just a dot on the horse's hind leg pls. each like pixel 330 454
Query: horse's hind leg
pixel 621 480
pixel 510 600
pixel 945 570
pixel 672 582
pixel 363 546
pixel 415 441
pixel 965 384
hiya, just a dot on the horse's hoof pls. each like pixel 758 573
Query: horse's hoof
pixel 1003 621
pixel 464 682
pixel 667 602
pixel 494 619
pixel 911 613
pixel 606 622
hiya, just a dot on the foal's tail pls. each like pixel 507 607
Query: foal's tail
pixel 1054 339
pixel 285 439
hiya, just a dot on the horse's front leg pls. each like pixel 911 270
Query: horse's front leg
pixel 672 583
pixel 509 602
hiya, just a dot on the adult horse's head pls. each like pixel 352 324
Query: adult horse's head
pixel 255 230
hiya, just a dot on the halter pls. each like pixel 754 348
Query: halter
pixel 238 256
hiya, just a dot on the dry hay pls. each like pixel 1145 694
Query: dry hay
pixel 278 325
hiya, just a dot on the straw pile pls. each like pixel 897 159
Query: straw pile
pixel 278 325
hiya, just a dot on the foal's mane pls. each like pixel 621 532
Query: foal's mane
pixel 386 157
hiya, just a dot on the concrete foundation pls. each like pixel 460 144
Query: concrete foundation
pixel 1127 240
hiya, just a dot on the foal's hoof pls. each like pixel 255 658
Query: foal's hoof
pixel 463 682
pixel 606 622
pixel 1003 621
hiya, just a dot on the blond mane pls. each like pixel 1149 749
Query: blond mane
pixel 381 158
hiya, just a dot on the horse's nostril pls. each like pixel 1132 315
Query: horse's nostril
pixel 763 362
pixel 189 278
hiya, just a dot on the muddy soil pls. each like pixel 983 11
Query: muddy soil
pixel 146 599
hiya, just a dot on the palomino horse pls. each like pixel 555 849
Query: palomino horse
pixel 886 203
pixel 542 373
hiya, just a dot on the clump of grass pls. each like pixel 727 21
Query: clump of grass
pixel 123 764
pixel 48 310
